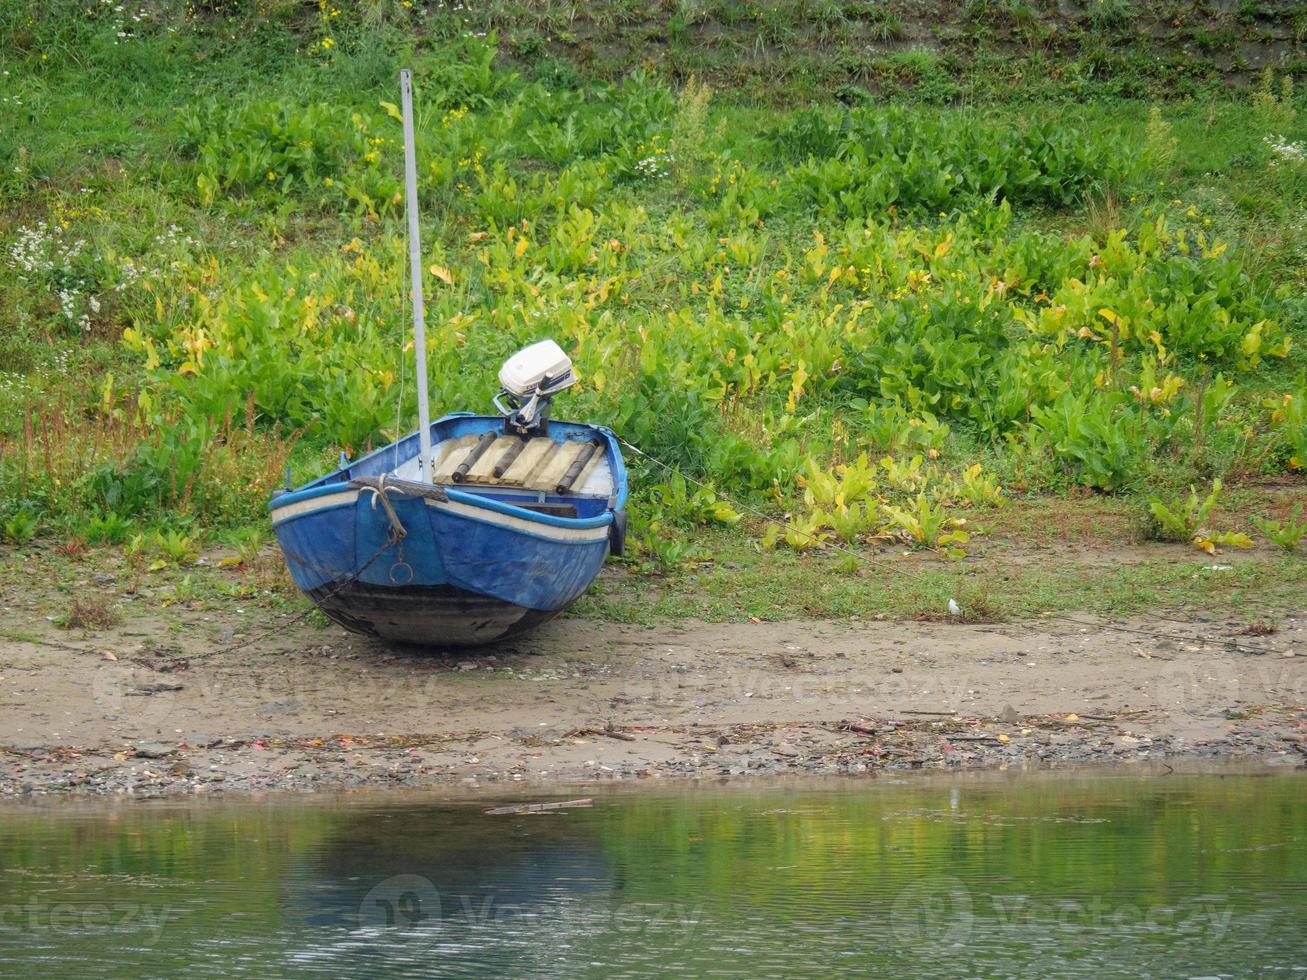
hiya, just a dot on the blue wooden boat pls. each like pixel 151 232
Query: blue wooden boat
pixel 457 562
pixel 474 527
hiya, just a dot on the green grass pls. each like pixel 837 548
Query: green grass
pixel 202 272
pixel 736 585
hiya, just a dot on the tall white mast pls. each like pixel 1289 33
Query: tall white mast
pixel 415 276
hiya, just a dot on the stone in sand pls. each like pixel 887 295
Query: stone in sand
pixel 153 750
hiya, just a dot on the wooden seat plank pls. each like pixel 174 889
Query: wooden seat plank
pixel 540 465
pixel 483 469
pixel 595 462
pixel 448 455
pixel 548 475
pixel 535 453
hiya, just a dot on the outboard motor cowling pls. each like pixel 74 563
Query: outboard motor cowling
pixel 530 379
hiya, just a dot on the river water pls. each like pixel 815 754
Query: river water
pixel 971 875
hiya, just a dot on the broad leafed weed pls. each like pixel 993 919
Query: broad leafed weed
pixel 870 320
pixel 1187 520
pixel 1287 533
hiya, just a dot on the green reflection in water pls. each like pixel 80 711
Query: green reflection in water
pixel 1023 876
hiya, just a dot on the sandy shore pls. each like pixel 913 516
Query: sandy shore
pixel 576 702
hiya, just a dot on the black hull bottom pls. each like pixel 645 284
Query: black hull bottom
pixel 429 615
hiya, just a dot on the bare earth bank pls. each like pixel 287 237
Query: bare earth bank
pixel 320 709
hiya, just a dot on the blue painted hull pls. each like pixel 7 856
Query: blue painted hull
pixel 470 567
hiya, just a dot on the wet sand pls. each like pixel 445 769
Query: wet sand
pixel 154 712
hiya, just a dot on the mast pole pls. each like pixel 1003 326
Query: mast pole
pixel 415 276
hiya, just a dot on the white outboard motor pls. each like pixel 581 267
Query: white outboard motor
pixel 530 379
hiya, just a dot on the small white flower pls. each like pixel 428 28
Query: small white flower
pixel 1285 150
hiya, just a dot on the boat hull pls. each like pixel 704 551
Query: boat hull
pixel 409 614
pixel 441 566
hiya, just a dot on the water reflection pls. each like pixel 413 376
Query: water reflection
pixel 1027 877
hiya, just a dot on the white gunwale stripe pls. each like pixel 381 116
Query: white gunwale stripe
pixel 483 514
pixel 487 516
pixel 300 507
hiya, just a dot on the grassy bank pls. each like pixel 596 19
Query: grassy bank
pixel 937 52
pixel 896 318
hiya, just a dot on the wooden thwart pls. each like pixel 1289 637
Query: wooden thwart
pixel 530 459
pixel 539 464
pixel 473 454
pixel 556 464
pixel 483 470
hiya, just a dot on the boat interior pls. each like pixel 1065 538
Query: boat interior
pixel 568 478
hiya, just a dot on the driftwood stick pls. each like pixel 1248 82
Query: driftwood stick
pixel 499 811
pixel 610 732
